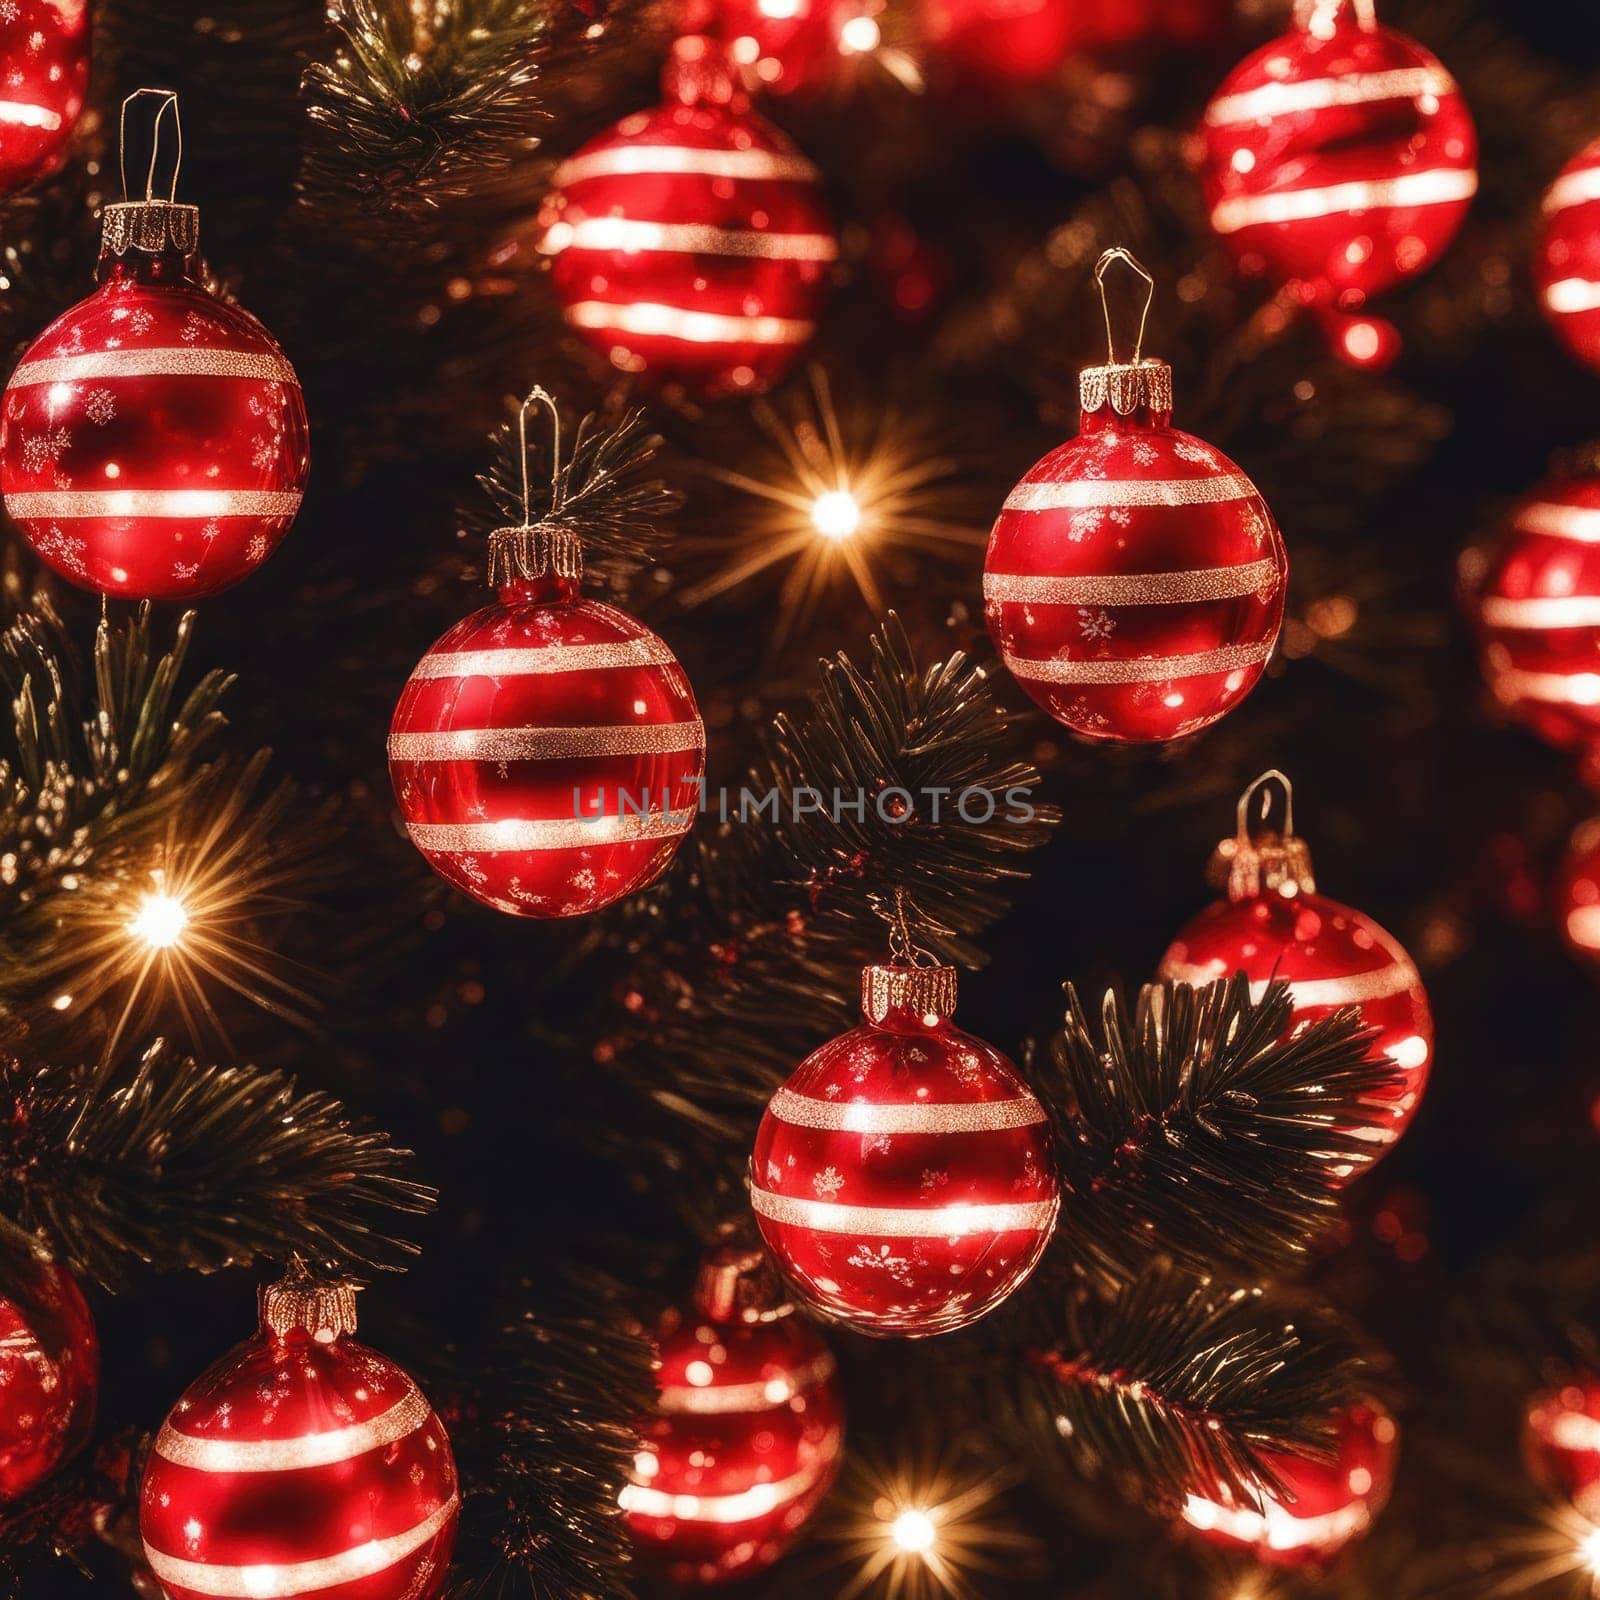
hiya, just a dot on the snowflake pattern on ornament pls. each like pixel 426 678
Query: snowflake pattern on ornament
pixel 101 406
pixel 1095 623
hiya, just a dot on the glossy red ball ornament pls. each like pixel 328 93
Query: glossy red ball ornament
pixel 691 243
pixel 1566 258
pixel 49 1374
pixel 153 440
pixel 1273 924
pixel 1340 156
pixel 44 76
pixel 1561 1443
pixel 1536 606
pixel 902 1177
pixel 1324 1506
pixel 750 1432
pixel 301 1463
pixel 547 752
pixel 1134 581
pixel 786 46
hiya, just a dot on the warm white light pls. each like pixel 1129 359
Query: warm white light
pixel 836 514
pixel 860 36
pixel 1589 1549
pixel 914 1532
pixel 159 921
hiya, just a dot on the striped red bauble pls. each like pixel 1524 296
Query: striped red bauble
pixel 1575 897
pixel 749 1432
pixel 1537 607
pixel 690 243
pixel 1566 259
pixel 1341 156
pixel 902 1177
pixel 44 75
pixel 301 1463
pixel 1561 1442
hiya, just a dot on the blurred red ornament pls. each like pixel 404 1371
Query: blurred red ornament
pixel 49 1374
pixel 301 1462
pixel 547 752
pixel 1536 606
pixel 786 46
pixel 1341 156
pixel 153 439
pixel 44 75
pixel 1324 1504
pixel 1577 893
pixel 902 1176
pixel 1134 580
pixel 1561 1443
pixel 691 243
pixel 1566 261
pixel 1273 924
pixel 750 1434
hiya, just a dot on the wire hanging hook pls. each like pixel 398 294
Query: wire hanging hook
pixel 1102 266
pixel 902 947
pixel 540 396
pixel 1260 786
pixel 169 102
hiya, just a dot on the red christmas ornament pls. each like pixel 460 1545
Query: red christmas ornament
pixel 902 1176
pixel 547 752
pixel 1341 156
pixel 44 74
pixel 1566 260
pixel 301 1462
pixel 786 46
pixel 691 243
pixel 1324 1505
pixel 153 440
pixel 49 1374
pixel 750 1434
pixel 1537 608
pixel 1273 924
pixel 1577 893
pixel 1561 1443
pixel 1134 580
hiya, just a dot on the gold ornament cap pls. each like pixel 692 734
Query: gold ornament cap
pixel 1141 383
pixel 533 551
pixel 151 226
pixel 1267 861
pixel 739 1285
pixel 301 1302
pixel 926 994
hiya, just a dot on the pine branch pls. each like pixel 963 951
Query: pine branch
pixel 183 1165
pixel 1199 1130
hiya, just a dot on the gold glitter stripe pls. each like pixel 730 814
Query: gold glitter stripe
pixel 154 503
pixel 621 233
pixel 648 321
pixel 1552 611
pixel 555 833
pixel 1569 296
pixel 1134 588
pixel 1573 189
pixel 1548 688
pixel 1359 987
pixel 736 1399
pixel 1437 186
pixel 1088 493
pixel 1141 669
pixel 1316 94
pixel 19 114
pixel 544 744
pixel 645 652
pixel 289 1455
pixel 905 1222
pixel 166 361
pixel 1554 521
pixel 640 1500
pixel 805 1111
pixel 279 1579
pixel 626 160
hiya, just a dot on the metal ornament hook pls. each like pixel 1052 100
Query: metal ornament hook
pixel 1320 16
pixel 169 102
pixel 1102 266
pixel 1261 787
pixel 540 396
pixel 902 946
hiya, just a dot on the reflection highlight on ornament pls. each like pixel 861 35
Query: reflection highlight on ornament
pixel 19 114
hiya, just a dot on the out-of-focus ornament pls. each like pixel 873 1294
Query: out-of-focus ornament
pixel 750 1431
pixel 1561 1443
pixel 44 75
pixel 49 1374
pixel 1566 259
pixel 1324 1505
pixel 1134 580
pixel 1340 158
pixel 1577 893
pixel 691 243
pixel 1273 924
pixel 153 439
pixel 301 1463
pixel 547 752
pixel 786 46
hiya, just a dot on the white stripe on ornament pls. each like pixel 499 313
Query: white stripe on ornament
pixel 735 1399
pixel 154 503
pixel 627 160
pixel 1134 588
pixel 1551 688
pixel 292 1455
pixel 1142 669
pixel 806 1111
pixel 1437 186
pixel 622 233
pixel 555 833
pixel 1572 1430
pixel 1277 1527
pixel 545 744
pixel 1092 493
pixel 1573 189
pixel 744 1506
pixel 649 321
pixel 1317 94
pixel 644 652
pixel 19 114
pixel 905 1222
pixel 1555 521
pixel 1552 611
pixel 1569 296
pixel 1381 984
pixel 1583 929
pixel 174 361
pixel 277 1580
